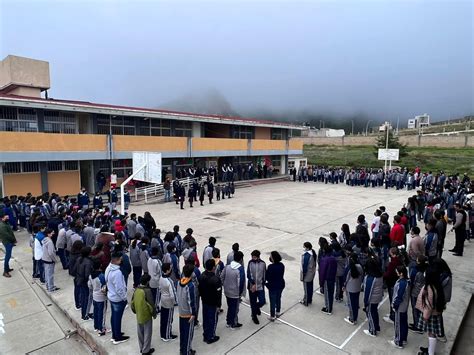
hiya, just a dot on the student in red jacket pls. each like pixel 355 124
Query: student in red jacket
pixel 397 234
pixel 390 277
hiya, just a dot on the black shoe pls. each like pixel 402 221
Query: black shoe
pixel 255 320
pixel 457 254
pixel 10 270
pixel 152 350
pixel 173 336
pixel 237 325
pixel 259 312
pixel 90 315
pixel 452 250
pixel 213 340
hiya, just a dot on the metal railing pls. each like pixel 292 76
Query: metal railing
pixel 158 189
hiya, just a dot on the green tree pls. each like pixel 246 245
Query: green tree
pixel 393 143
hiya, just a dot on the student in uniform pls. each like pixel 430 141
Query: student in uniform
pixel 276 283
pixel 341 259
pixel 233 281
pixel 373 295
pixel 431 303
pixel 187 311
pixel 256 284
pixel 417 281
pixel 210 289
pixel 218 192
pixel 168 301
pixel 308 271
pixel 207 253
pixel 230 256
pixel 327 278
pixel 154 270
pixel 143 306
pixel 431 241
pixel 401 295
pixel 99 298
pixel 352 286
pixel 171 258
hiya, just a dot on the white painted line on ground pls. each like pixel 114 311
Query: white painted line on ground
pixel 348 339
pixel 265 241
pixel 299 329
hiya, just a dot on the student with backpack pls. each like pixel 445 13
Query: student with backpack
pixel 143 306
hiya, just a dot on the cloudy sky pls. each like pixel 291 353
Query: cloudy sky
pixel 385 58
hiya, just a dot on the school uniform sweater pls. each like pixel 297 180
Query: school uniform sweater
pixel 167 292
pixel 373 290
pixel 233 280
pixel 401 295
pixel 256 274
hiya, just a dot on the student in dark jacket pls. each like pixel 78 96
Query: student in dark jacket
pixel 73 256
pixel 275 283
pixel 84 267
pixel 327 280
pixel 210 290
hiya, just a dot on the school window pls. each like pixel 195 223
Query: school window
pixel 276 161
pixel 71 165
pixel 291 164
pixel 277 133
pixel 103 124
pixel 12 168
pixel 243 132
pixel 294 133
pixel 18 168
pixel 121 125
pixel 14 119
pixel 60 122
pixel 55 166
pixel 160 127
pixel 183 129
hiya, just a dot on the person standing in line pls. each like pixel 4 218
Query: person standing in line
pixel 8 240
pixel 308 272
pixel 352 286
pixel 171 258
pixel 430 241
pixel 210 290
pixel 416 247
pixel 376 223
pixel 390 277
pixel 341 259
pixel 84 268
pixel 275 283
pixel 38 251
pixel 430 303
pixel 256 284
pixel 168 301
pixel 373 295
pixel 230 256
pixel 117 296
pixel 61 245
pixel 327 281
pixel 154 270
pixel 135 259
pixel 143 305
pixel 49 260
pixel 233 281
pixel 441 228
pixel 417 281
pixel 207 253
pixel 187 310
pixel 401 294
pixel 99 298
pixel 459 228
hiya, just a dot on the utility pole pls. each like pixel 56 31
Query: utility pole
pixel 387 127
pixel 352 121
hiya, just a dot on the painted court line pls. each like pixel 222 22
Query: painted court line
pixel 299 329
pixel 359 327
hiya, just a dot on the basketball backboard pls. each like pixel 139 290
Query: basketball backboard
pixel 152 170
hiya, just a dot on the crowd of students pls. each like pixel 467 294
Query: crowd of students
pixel 102 249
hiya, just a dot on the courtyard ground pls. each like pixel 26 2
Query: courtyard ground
pixel 279 216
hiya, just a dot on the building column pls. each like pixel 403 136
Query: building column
pixel 43 166
pixel 284 165
pixel 197 132
pixel 40 117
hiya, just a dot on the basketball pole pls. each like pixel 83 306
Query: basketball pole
pixel 122 186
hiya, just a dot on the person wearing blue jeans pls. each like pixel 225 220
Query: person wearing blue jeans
pixel 275 283
pixel 117 295
pixel 8 240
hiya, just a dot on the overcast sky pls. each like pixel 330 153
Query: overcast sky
pixel 384 58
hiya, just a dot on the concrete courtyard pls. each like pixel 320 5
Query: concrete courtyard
pixel 279 216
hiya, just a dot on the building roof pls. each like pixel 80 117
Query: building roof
pixel 90 107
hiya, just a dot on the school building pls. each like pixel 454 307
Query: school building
pixel 60 145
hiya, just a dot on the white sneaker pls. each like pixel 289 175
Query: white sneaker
pixel 348 320
pixel 271 319
pixel 367 332
pixel 392 342
pixel 277 314
pixel 442 339
pixel 388 320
